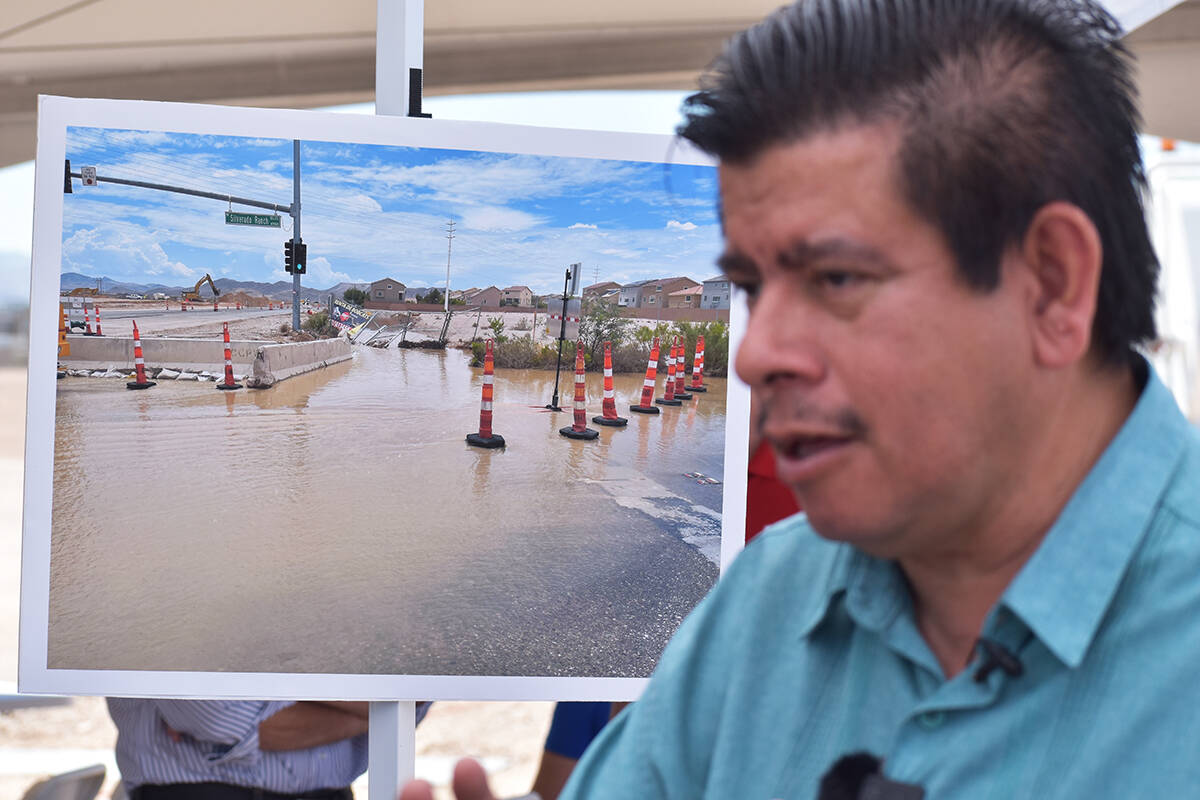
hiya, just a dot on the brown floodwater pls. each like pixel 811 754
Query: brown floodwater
pixel 339 523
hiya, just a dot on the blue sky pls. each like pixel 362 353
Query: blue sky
pixel 373 211
pixel 638 111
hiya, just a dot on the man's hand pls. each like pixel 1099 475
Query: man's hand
pixel 470 783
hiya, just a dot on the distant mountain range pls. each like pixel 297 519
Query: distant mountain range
pixel 279 290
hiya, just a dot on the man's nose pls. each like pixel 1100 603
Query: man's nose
pixel 780 342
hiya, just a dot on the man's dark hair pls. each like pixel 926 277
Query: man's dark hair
pixel 1003 106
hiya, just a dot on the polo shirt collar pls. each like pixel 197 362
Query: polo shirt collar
pixel 1062 593
pixel 1064 590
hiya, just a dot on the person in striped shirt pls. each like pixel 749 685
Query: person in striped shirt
pixel 239 749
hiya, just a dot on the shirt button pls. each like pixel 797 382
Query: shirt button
pixel 931 720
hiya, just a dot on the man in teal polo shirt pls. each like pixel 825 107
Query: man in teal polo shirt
pixel 934 208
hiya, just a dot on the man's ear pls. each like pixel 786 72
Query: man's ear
pixel 1063 253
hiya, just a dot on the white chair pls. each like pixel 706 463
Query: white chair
pixel 79 784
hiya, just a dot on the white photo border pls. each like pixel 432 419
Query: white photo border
pixel 55 115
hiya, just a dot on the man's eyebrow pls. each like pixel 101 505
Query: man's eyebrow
pixel 804 253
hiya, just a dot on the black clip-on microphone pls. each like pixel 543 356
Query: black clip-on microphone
pixel 857 777
pixel 997 655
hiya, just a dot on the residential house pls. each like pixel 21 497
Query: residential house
pixel 655 293
pixel 491 296
pixel 517 296
pixel 601 289
pixel 386 290
pixel 631 293
pixel 687 297
pixel 715 293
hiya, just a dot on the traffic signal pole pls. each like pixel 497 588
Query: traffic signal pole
pixel 295 232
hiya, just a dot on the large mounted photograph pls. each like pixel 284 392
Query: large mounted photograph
pixel 500 456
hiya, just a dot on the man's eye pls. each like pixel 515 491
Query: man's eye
pixel 835 279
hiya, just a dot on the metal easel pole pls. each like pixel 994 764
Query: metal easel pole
pixel 399 56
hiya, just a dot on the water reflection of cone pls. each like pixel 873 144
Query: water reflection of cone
pixel 609 406
pixel 647 404
pixel 485 437
pixel 580 430
pixel 668 398
pixel 698 368
pixel 229 382
pixel 139 365
pixel 98 331
pixel 87 322
pixel 680 364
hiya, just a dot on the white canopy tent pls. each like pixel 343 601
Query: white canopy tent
pixel 303 53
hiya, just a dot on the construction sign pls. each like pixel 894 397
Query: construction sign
pixel 348 317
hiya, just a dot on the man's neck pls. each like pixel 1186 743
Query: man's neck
pixel 954 589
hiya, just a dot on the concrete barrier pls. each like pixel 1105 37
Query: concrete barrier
pixel 275 362
pixel 269 362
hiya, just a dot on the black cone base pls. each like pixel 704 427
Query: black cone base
pixel 586 434
pixel 62 375
pixel 140 385
pixel 694 389
pixel 90 333
pixel 612 422
pixel 682 396
pixel 662 401
pixel 495 440
pixel 229 386
pixel 644 410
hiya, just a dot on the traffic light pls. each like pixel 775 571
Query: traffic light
pixel 300 258
pixel 287 255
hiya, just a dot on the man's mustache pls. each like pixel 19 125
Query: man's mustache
pixel 790 410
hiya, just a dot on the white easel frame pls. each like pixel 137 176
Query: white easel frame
pixel 399 47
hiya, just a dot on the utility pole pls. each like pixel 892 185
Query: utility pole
pixel 449 244
pixel 296 232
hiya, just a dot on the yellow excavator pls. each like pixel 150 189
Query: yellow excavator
pixel 193 295
pixel 84 291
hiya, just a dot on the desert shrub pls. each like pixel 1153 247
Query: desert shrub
pixel 518 352
pixel 319 325
pixel 496 325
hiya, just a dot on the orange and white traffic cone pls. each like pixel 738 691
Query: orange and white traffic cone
pixel 229 382
pixel 668 398
pixel 609 406
pixel 698 368
pixel 580 430
pixel 680 364
pixel 485 437
pixel 139 363
pixel 647 404
pixel 98 331
pixel 87 322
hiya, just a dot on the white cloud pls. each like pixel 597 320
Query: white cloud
pixel 676 225
pixel 579 225
pixel 128 252
pixel 495 218
pixel 321 273
pixel 616 252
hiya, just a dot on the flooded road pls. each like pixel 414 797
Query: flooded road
pixel 339 523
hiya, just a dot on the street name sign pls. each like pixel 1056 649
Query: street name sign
pixel 261 220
